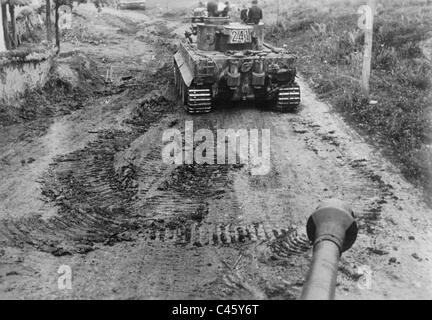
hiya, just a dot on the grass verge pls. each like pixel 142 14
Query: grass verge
pixel 329 44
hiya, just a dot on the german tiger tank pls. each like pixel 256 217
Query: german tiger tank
pixel 230 62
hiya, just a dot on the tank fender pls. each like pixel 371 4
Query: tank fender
pixel 184 69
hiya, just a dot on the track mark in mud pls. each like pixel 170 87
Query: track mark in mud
pixel 93 198
pixel 146 199
pixel 99 203
pixel 376 194
pixel 371 215
pixel 283 242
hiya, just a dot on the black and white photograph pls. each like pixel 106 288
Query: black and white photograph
pixel 240 151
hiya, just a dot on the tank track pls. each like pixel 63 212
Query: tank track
pixel 193 99
pixel 198 100
pixel 288 98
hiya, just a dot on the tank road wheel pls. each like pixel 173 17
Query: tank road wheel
pixel 288 98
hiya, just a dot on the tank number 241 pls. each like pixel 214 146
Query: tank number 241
pixel 240 36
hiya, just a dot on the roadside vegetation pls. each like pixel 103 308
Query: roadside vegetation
pixel 325 36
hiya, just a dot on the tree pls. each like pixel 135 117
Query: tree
pixel 13 23
pixel 5 23
pixel 57 31
pixel 2 35
pixel 12 4
pixel 48 19
pixel 5 41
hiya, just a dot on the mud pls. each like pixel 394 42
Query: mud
pixel 91 191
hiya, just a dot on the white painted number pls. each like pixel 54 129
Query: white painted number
pixel 65 280
pixel 240 36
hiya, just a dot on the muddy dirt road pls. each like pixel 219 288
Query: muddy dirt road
pixel 89 190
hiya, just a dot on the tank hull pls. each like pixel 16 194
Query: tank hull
pixel 224 67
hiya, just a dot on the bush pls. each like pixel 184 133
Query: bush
pixel 384 59
pixel 301 25
pixel 416 74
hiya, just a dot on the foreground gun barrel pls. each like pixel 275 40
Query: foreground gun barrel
pixel 332 230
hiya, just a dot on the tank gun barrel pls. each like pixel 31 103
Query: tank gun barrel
pixel 333 230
